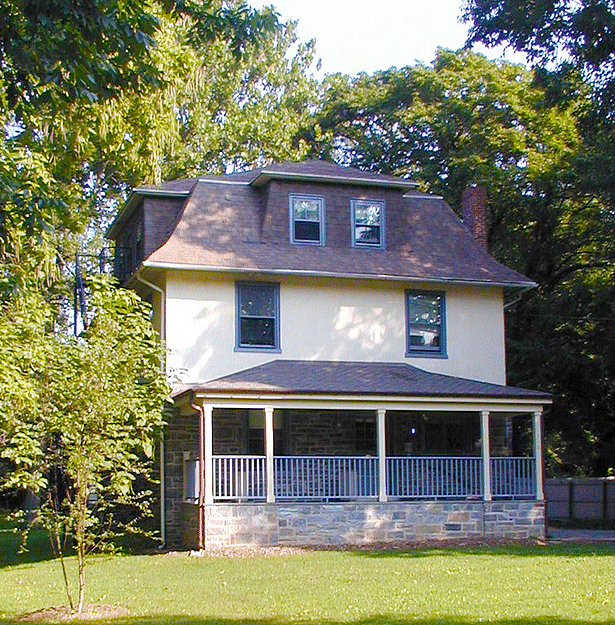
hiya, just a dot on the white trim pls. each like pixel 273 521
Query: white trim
pixel 269 448
pixel 486 451
pixel 382 467
pixel 373 402
pixel 540 495
pixel 228 182
pixel 153 264
pixel 208 473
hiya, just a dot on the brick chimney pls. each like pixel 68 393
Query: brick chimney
pixel 473 206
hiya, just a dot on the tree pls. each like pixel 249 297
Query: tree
pixel 466 120
pixel 563 39
pixel 79 417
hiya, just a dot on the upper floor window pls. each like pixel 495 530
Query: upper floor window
pixel 425 319
pixel 258 305
pixel 307 219
pixel 367 223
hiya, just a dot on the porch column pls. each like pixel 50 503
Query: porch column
pixel 538 454
pixel 207 474
pixel 382 450
pixel 484 431
pixel 269 454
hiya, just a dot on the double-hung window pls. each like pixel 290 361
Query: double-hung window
pixel 306 219
pixel 367 223
pixel 258 305
pixel 425 321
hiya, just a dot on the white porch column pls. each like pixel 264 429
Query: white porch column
pixel 486 445
pixel 538 454
pixel 269 453
pixel 382 450
pixel 208 454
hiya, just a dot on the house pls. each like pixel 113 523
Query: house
pixel 337 342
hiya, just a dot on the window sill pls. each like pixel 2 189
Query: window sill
pixel 417 354
pixel 255 348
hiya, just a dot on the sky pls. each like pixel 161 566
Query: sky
pixel 370 35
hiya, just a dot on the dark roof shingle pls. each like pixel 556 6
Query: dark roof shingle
pixel 307 377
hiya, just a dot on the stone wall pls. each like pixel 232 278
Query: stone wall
pixel 361 523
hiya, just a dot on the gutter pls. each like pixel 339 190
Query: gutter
pixel 330 274
pixel 163 514
pixel 524 290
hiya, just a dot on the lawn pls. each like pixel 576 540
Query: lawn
pixel 508 585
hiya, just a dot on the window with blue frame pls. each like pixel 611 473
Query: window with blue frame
pixel 425 318
pixel 367 223
pixel 258 305
pixel 307 219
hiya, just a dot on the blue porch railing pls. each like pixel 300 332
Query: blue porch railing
pixel 305 478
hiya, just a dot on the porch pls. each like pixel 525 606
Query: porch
pixel 293 468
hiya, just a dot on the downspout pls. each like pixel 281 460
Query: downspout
pixel 163 503
pixel 201 505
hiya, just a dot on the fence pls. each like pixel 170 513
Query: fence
pixel 580 498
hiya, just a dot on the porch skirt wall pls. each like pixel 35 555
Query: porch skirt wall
pixel 362 523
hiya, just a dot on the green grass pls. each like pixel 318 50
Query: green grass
pixel 564 584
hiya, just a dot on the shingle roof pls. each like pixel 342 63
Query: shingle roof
pixel 220 230
pixel 302 377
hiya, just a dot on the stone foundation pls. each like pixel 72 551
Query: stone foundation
pixel 361 523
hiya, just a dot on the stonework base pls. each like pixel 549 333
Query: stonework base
pixel 362 523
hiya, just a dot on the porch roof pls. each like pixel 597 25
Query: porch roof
pixel 308 377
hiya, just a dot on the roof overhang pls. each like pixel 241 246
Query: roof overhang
pixel 325 274
pixel 269 174
pixel 423 403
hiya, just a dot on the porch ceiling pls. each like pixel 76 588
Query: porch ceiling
pixel 356 379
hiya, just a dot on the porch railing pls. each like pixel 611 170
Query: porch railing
pixel 513 477
pixel 239 477
pixel 243 478
pixel 325 477
pixel 433 477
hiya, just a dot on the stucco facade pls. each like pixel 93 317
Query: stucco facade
pixel 329 319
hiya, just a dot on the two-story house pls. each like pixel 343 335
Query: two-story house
pixel 337 342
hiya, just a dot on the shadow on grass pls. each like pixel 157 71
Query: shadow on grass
pixel 374 620
pixel 37 547
pixel 567 550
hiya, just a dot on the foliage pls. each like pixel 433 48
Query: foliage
pixel 54 50
pixel 467 120
pixel 79 415
pixel 563 40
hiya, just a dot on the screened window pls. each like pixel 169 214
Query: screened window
pixel 368 223
pixel 257 315
pixel 425 318
pixel 306 218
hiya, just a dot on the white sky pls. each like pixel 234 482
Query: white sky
pixel 370 35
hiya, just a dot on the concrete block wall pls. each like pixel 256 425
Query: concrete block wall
pixel 364 523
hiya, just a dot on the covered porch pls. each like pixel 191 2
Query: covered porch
pixel 273 451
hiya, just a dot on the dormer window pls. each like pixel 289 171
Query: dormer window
pixel 307 219
pixel 367 223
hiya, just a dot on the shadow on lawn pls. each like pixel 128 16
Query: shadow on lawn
pixel 567 550
pixel 375 620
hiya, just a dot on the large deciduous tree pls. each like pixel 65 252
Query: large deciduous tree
pixel 466 120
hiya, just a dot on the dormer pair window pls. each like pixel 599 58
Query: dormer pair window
pixel 307 221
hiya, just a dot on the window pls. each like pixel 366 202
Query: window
pixel 425 318
pixel 367 223
pixel 257 315
pixel 191 478
pixel 306 219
